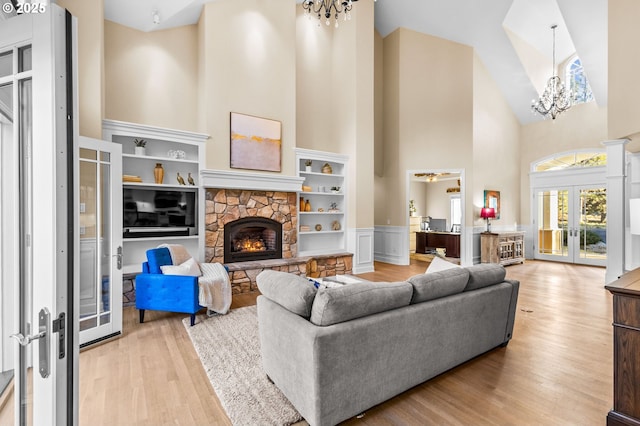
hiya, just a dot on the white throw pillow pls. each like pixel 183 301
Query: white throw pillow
pixel 437 264
pixel 190 268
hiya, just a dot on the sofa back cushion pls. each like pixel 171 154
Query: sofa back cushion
pixel 484 275
pixel 435 285
pixel 290 291
pixel 347 302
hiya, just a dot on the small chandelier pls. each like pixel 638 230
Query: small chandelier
pixel 327 8
pixel 555 98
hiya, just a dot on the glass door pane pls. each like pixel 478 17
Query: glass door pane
pixel 100 284
pixel 572 225
pixel 592 225
pixel 553 216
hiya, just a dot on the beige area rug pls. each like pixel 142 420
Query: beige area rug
pixel 229 349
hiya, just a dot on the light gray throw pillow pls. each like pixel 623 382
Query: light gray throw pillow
pixel 435 285
pixel 290 291
pixel 339 304
pixel 484 275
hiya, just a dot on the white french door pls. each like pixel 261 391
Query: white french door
pixel 100 230
pixel 38 262
pixel 571 224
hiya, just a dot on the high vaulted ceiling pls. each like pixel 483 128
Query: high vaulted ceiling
pixel 506 34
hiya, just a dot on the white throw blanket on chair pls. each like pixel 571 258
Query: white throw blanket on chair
pixel 214 285
pixel 215 288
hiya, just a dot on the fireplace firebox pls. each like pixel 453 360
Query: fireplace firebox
pixel 252 238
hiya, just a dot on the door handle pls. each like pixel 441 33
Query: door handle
pixel 119 258
pixel 43 337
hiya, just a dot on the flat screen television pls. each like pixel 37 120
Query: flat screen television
pixel 149 212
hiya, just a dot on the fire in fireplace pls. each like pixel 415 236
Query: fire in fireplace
pixel 252 238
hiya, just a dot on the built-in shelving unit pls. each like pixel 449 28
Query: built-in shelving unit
pixel 320 195
pixel 179 152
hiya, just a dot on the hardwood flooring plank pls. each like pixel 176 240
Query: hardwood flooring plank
pixel 556 370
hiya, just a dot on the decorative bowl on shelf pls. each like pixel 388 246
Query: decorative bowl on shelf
pixel 176 154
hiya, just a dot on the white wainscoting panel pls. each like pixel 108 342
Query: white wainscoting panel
pixel 361 245
pixel 391 244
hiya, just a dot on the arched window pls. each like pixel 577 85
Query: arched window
pixel 577 81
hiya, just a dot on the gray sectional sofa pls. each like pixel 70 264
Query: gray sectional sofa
pixel 335 352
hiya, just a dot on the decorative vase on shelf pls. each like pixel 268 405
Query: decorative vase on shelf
pixel 307 206
pixel 307 169
pixel 140 150
pixel 158 173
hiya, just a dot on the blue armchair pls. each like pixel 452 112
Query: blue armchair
pixel 158 292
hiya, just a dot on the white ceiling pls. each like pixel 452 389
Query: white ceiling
pixel 582 28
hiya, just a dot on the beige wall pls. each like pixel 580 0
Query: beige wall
pixel 334 98
pixel 428 110
pixel 249 67
pixel 624 62
pixel 496 150
pixel 90 14
pixel 152 78
pixel 438 201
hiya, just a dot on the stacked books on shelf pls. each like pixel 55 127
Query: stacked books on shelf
pixel 131 178
pixel 305 228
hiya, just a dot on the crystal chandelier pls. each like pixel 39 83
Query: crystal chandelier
pixel 327 8
pixel 556 98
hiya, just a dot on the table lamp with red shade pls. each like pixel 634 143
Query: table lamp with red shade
pixel 488 213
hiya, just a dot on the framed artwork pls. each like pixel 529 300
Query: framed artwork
pixel 492 199
pixel 255 143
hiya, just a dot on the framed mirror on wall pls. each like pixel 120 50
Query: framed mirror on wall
pixel 492 199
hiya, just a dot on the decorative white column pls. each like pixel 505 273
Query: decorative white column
pixel 616 208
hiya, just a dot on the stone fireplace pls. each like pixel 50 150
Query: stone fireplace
pixel 269 216
pixel 234 197
pixel 252 238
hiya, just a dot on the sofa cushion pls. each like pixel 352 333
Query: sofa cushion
pixel 484 275
pixel 290 291
pixel 438 264
pixel 190 268
pixel 438 284
pixel 347 302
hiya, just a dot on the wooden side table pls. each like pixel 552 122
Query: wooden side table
pixel 626 350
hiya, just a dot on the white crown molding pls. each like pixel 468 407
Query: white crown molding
pixel 254 181
pixel 152 132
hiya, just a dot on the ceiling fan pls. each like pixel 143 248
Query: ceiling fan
pixel 431 177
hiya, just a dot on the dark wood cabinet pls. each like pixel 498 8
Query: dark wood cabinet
pixel 427 241
pixel 626 347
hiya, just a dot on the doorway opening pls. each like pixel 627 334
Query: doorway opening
pixel 436 219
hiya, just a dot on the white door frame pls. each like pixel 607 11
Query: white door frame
pixel 113 241
pixel 465 252
pixel 50 161
pixel 561 179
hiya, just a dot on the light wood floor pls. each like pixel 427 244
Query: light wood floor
pixel 557 370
